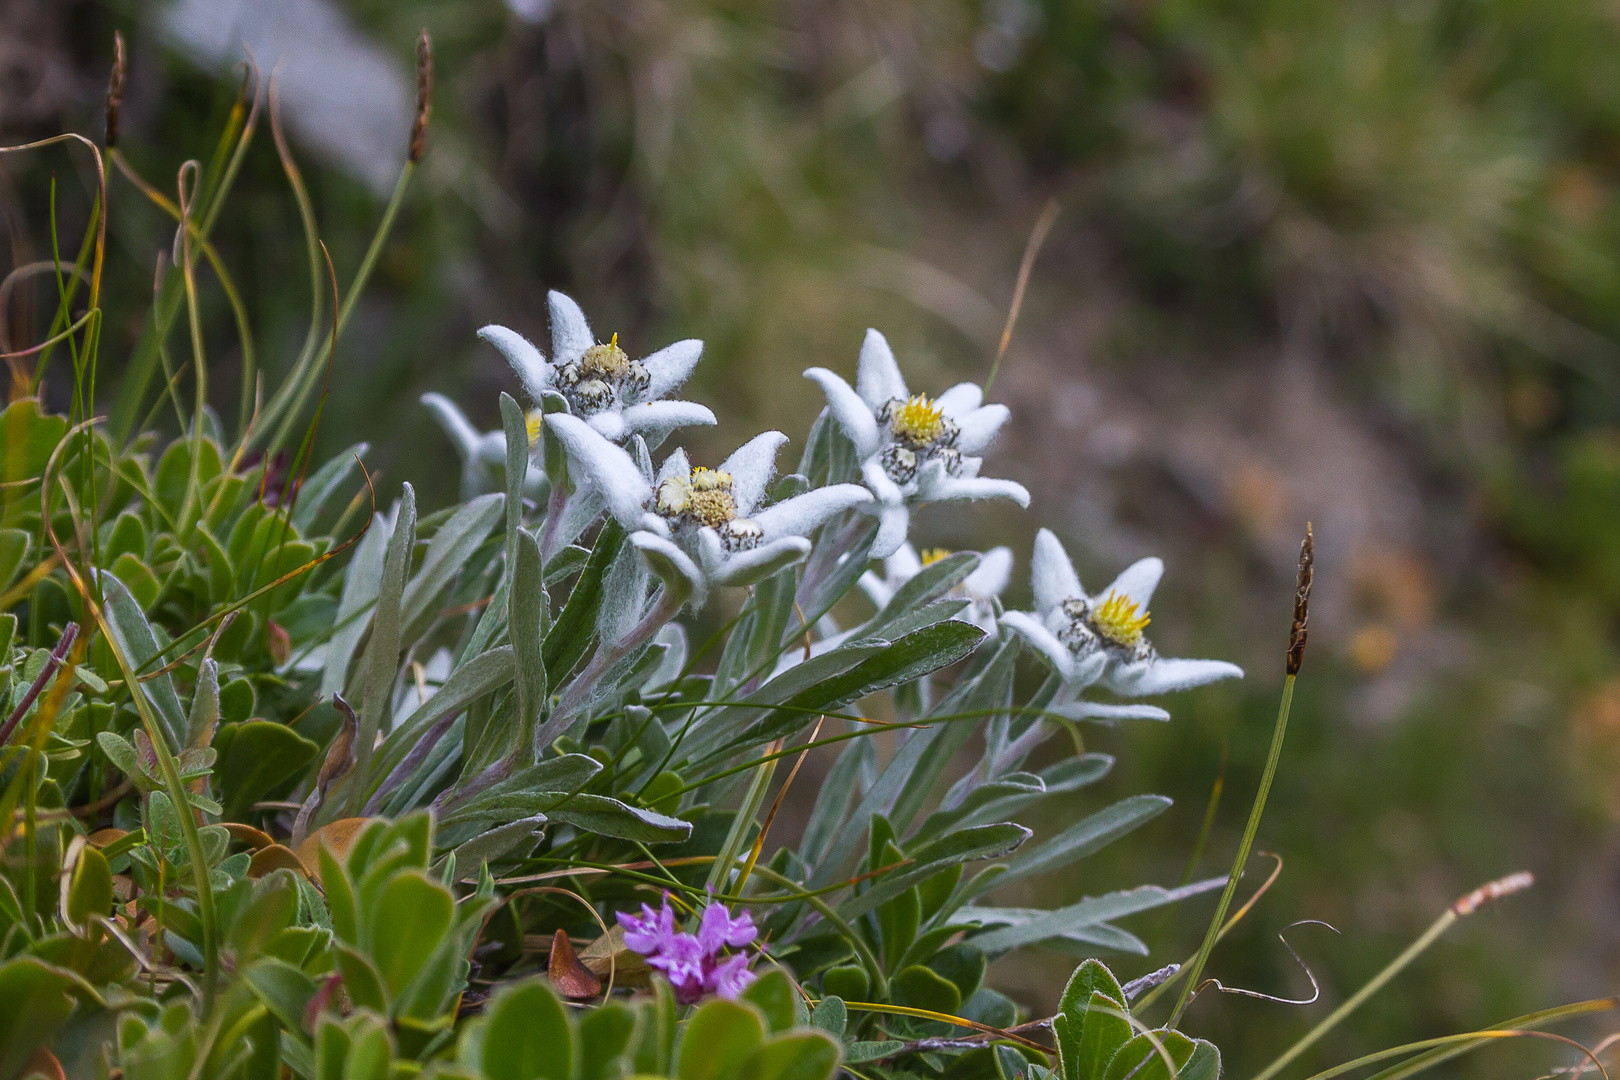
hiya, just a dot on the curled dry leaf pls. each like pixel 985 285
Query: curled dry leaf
pixel 570 978
pixel 277 857
pixel 336 836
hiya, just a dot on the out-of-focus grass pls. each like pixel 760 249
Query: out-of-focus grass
pixel 1414 200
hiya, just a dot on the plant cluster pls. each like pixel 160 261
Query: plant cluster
pixel 395 815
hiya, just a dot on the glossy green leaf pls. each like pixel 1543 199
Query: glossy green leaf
pixel 802 1055
pixel 255 758
pixel 413 913
pixel 605 1036
pixel 525 1035
pixel 14 547
pixel 773 995
pixel 1140 1059
pixel 90 891
pixel 1074 1013
pixel 282 988
pixel 35 1000
pixel 719 1038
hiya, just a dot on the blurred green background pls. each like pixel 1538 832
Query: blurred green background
pixel 1352 262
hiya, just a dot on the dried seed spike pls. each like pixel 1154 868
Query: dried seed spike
pixel 424 94
pixel 1494 890
pixel 570 978
pixel 1302 601
pixel 115 90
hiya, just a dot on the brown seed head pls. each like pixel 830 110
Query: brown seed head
pixel 1494 890
pixel 424 94
pixel 1302 602
pixel 115 90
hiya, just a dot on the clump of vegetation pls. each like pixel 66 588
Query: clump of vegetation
pixel 301 785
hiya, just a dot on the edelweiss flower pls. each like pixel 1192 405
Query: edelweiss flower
pixel 708 522
pixel 616 395
pixel 1090 639
pixel 913 449
pixel 483 456
pixel 693 963
pixel 982 587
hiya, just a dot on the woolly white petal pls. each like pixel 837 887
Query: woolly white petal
pixel 1096 710
pixel 1168 676
pixel 960 400
pixel 853 415
pixel 878 483
pixel 670 366
pixel 893 523
pixel 673 566
pixel 711 553
pixel 990 577
pixel 609 423
pixel 527 362
pixel 1042 640
pixel 747 567
pixel 610 470
pixel 456 425
pixel 877 375
pixel 654 420
pixel 1051 574
pixel 979 428
pixel 801 514
pixel 751 466
pixel 903 565
pixel 1138 581
pixel 570 333
pixel 675 465
pixel 973 488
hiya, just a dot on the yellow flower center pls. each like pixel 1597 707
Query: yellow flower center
pixel 919 421
pixel 604 361
pixel 930 556
pixel 1119 619
pixel 704 497
pixel 710 480
pixel 534 421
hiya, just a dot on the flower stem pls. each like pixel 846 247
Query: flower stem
pixel 1465 906
pixel 1190 982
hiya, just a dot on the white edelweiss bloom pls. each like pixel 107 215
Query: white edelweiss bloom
pixel 982 588
pixel 913 449
pixel 712 517
pixel 483 454
pixel 1099 639
pixel 616 395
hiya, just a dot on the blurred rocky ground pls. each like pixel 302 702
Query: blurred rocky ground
pixel 1347 262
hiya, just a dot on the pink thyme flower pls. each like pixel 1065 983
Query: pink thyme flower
pixel 694 964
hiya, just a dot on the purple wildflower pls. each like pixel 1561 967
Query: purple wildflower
pixel 694 964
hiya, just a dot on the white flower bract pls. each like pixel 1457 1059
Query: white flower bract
pixel 1100 639
pixel 619 397
pixel 712 518
pixel 913 449
pixel 981 588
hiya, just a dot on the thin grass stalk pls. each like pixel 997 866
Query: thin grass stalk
pixel 301 382
pixel 1528 1022
pixel 199 358
pixel 1295 655
pixel 737 837
pixel 1467 905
